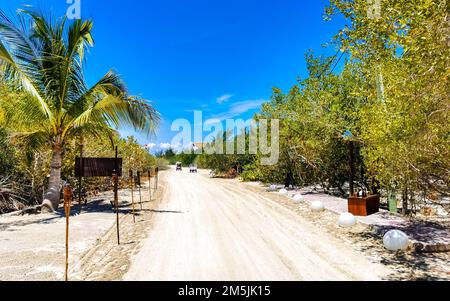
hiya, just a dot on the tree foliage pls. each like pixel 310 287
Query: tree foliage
pixel 42 61
pixel 391 92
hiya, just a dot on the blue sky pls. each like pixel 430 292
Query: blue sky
pixel 219 56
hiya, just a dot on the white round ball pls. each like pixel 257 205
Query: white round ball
pixel 298 198
pixel 272 187
pixel 347 220
pixel 317 206
pixel 283 191
pixel 395 240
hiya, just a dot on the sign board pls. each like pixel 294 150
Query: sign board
pixel 98 167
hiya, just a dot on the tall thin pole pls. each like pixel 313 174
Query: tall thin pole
pixel 67 205
pixel 80 177
pixel 156 177
pixel 352 166
pixel 149 173
pixel 116 196
pixel 139 187
pixel 132 194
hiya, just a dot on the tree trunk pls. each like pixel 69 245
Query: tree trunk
pixel 405 201
pixel 351 179
pixel 53 193
pixel 289 179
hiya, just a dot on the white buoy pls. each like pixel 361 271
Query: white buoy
pixel 272 187
pixel 347 220
pixel 395 240
pixel 317 206
pixel 298 198
pixel 283 191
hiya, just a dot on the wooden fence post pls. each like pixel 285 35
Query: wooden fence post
pixel 132 194
pixel 149 184
pixel 139 187
pixel 80 178
pixel 67 206
pixel 156 177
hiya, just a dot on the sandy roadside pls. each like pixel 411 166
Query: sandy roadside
pixel 197 228
pixel 32 247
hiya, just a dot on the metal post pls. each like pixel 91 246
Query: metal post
pixel 139 187
pixel 67 205
pixel 132 194
pixel 149 184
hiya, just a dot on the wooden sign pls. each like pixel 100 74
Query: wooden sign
pixel 98 167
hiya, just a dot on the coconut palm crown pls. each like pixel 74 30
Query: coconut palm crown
pixel 44 59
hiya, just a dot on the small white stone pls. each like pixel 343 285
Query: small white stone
pixel 283 191
pixel 347 220
pixel 298 198
pixel 395 240
pixel 317 206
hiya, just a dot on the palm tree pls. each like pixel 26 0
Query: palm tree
pixel 43 58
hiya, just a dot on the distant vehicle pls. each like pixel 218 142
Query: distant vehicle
pixel 193 168
pixel 179 168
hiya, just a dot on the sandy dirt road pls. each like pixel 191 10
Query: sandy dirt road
pixel 210 229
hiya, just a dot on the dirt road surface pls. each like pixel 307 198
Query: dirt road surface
pixel 210 229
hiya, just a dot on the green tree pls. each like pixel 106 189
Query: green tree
pixel 45 61
pixel 405 52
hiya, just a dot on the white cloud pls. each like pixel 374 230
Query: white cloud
pixel 236 109
pixel 150 146
pixel 164 146
pixel 224 98
pixel 176 147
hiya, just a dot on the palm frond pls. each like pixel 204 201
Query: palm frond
pixel 46 58
pixel 79 38
pixel 119 111
pixel 95 130
pixel 34 140
pixel 23 112
pixel 20 60
pixel 109 84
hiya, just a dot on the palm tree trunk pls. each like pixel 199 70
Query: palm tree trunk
pixel 52 195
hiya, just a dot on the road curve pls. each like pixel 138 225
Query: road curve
pixel 208 229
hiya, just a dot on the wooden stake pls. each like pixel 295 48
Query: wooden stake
pixel 80 178
pixel 132 194
pixel 156 177
pixel 149 184
pixel 115 177
pixel 139 187
pixel 67 206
